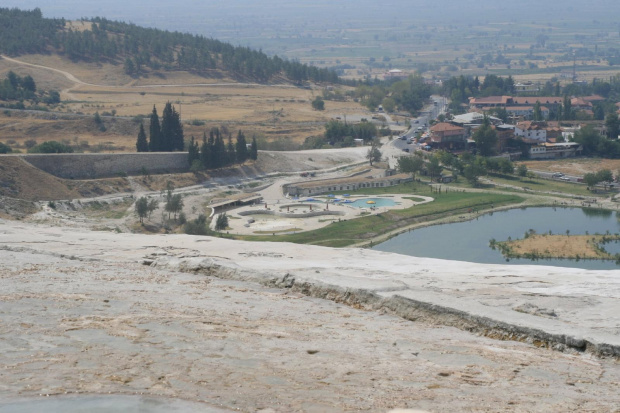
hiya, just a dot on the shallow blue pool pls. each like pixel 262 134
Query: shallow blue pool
pixel 378 202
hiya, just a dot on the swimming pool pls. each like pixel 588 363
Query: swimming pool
pixel 378 202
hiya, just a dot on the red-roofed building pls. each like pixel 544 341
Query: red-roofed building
pixel 531 130
pixel 580 104
pixel 489 101
pixel 448 136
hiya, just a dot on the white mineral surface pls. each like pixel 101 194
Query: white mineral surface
pixel 285 327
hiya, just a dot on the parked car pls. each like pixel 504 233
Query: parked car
pixel 406 150
pixel 557 175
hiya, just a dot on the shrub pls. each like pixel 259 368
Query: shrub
pixel 5 148
pixel 222 222
pixel 51 147
pixel 196 226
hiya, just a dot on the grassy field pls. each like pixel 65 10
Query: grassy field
pixel 345 233
pixel 531 185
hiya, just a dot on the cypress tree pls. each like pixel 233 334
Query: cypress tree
pixel 167 128
pixel 241 148
pixel 231 156
pixel 215 158
pixel 142 144
pixel 219 151
pixel 193 152
pixel 205 153
pixel 178 142
pixel 155 143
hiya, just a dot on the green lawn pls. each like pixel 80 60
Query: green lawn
pixel 532 184
pixel 345 233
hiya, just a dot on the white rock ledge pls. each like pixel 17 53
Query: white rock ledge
pixel 485 299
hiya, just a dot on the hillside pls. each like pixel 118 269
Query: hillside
pixel 144 51
pixel 19 179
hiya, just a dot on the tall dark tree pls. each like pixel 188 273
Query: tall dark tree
pixel 155 139
pixel 205 153
pixel 567 109
pixel 167 128
pixel 219 155
pixel 241 148
pixel 231 155
pixel 178 139
pixel 193 152
pixel 142 145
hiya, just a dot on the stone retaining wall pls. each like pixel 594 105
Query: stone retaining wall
pixel 95 165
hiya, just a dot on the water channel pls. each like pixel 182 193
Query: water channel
pixel 469 240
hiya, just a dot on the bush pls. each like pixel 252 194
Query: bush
pixel 51 147
pixel 196 226
pixel 5 148
pixel 318 103
pixel 222 222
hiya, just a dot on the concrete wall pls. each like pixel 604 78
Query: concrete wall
pixel 96 165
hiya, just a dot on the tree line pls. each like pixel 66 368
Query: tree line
pixel 145 48
pixel 217 152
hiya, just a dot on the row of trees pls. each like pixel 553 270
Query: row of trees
pixel 141 48
pixel 469 166
pixel 216 153
pixel 346 133
pixel 166 136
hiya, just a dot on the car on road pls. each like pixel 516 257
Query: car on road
pixel 404 137
pixel 557 175
pixel 406 150
pixel 416 121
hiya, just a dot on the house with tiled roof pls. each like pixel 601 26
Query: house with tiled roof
pixel 489 101
pixel 531 130
pixel 580 104
pixel 448 136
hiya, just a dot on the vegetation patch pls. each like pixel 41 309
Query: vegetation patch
pixel 542 246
